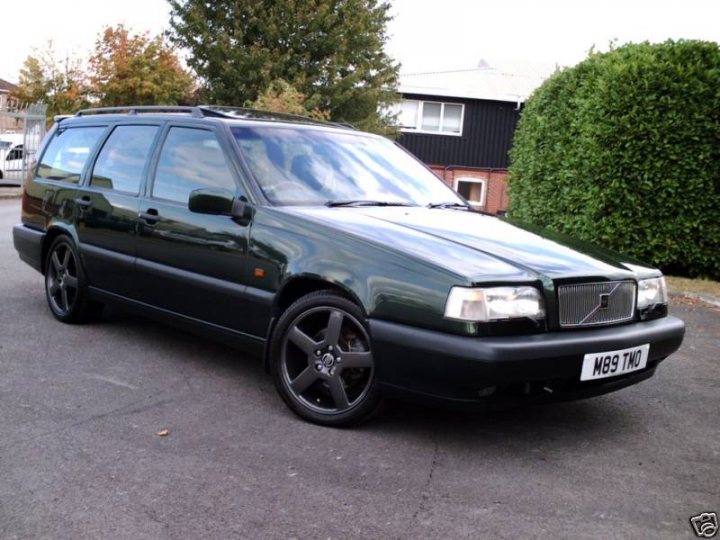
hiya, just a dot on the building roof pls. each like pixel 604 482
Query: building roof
pixel 509 81
pixel 6 86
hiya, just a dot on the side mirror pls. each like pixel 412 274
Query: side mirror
pixel 219 202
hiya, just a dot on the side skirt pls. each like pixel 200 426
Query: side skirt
pixel 253 345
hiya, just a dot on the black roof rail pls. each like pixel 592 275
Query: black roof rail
pixel 257 114
pixel 135 109
pixel 213 111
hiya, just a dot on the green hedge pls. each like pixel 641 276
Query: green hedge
pixel 623 150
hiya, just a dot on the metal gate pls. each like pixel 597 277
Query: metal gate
pixel 22 128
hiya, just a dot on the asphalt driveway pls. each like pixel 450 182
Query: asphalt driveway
pixel 80 455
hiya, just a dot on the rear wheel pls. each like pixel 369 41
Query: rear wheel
pixel 322 362
pixel 66 285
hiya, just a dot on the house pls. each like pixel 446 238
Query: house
pixel 461 124
pixel 8 124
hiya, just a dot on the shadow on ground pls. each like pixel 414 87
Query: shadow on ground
pixel 580 420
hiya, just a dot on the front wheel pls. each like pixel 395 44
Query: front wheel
pixel 322 363
pixel 65 284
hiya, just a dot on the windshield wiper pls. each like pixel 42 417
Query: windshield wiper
pixel 362 202
pixel 449 205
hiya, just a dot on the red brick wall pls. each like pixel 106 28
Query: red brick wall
pixel 496 198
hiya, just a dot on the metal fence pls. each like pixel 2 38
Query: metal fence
pixel 21 131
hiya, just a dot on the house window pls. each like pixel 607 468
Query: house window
pixel 431 117
pixel 473 189
pixel 408 114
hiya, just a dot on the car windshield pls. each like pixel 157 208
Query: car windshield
pixel 307 166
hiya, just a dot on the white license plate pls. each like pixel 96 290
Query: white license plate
pixel 613 363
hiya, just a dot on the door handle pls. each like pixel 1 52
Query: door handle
pixel 151 217
pixel 83 202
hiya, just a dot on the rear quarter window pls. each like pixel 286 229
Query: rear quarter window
pixel 68 152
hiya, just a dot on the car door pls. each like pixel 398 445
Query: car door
pixel 108 204
pixel 192 264
pixel 50 198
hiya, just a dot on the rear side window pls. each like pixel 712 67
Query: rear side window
pixel 15 153
pixel 122 160
pixel 191 159
pixel 68 152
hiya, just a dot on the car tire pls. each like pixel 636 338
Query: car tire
pixel 321 360
pixel 66 284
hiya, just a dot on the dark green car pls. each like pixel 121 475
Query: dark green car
pixel 343 261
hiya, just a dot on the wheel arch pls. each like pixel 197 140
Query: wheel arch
pixel 295 288
pixel 52 233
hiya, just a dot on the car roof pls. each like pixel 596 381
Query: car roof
pixel 14 138
pixel 208 112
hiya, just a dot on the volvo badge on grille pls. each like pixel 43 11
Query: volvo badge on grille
pixel 585 304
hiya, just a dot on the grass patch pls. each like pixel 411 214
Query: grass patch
pixel 699 286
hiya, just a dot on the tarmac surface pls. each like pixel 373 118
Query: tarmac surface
pixel 80 455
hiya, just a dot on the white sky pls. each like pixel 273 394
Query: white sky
pixel 425 34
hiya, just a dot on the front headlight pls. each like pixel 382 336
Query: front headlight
pixel 494 304
pixel 651 292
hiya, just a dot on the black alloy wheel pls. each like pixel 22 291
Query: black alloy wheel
pixel 322 361
pixel 65 286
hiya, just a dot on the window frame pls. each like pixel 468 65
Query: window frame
pixel 473 180
pixel 87 180
pixel 88 162
pixel 147 191
pixel 420 110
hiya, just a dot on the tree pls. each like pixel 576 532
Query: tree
pixel 58 82
pixel 624 150
pixel 136 69
pixel 330 51
pixel 281 97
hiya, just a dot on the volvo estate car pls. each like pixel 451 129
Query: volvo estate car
pixel 11 159
pixel 353 271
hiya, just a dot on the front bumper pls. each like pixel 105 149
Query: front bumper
pixel 436 366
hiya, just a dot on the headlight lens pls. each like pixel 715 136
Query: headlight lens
pixel 494 304
pixel 650 292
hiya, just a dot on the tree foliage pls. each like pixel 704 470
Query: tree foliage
pixel 624 150
pixel 124 69
pixel 330 51
pixel 57 82
pixel 128 69
pixel 281 97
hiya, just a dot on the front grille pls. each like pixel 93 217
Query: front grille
pixel 590 304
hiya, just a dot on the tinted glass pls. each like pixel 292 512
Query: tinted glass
pixel 122 160
pixel 308 166
pixel 191 159
pixel 15 153
pixel 68 152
